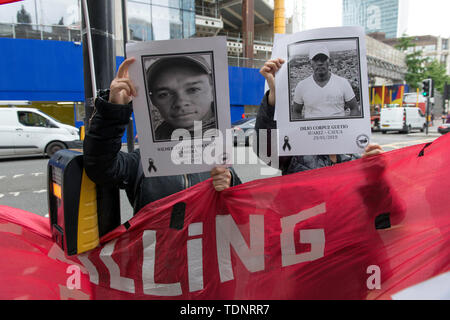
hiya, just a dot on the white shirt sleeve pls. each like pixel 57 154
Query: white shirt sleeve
pixel 298 96
pixel 349 94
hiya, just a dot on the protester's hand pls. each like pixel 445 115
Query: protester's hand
pixel 268 71
pixel 221 178
pixel 372 150
pixel 122 89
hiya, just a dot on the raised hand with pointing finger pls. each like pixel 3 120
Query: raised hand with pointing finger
pixel 122 89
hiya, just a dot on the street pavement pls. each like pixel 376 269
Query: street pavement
pixel 23 181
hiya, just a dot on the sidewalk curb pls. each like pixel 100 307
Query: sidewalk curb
pixel 430 135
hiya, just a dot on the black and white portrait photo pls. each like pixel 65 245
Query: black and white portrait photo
pixel 182 105
pixel 324 79
pixel 180 90
pixel 322 94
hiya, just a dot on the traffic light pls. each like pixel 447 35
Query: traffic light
pixel 427 87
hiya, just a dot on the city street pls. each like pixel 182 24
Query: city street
pixel 23 181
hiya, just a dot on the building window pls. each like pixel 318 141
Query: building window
pixel 161 19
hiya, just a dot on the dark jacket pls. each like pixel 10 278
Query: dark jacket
pixel 292 164
pixel 106 164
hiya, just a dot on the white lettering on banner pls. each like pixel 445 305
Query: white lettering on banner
pixel 228 235
pixel 116 281
pixel 148 270
pixel 316 237
pixel 195 257
pixel 93 274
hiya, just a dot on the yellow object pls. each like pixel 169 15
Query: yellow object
pixel 402 92
pixel 88 237
pixel 82 132
pixel 417 102
pixel 279 23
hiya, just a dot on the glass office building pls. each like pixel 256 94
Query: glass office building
pixel 387 16
pixel 161 19
pixel 61 19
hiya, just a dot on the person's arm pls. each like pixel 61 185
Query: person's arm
pixel 103 161
pixel 353 106
pixel 350 98
pixel 265 117
pixel 297 111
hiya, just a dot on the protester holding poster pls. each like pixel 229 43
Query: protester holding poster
pixel 105 164
pixel 265 120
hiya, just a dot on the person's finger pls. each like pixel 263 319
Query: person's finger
pixel 373 146
pixel 118 86
pixel 220 186
pixel 273 66
pixel 372 153
pixel 221 179
pixel 123 69
pixel 129 83
pixel 279 62
pixel 218 170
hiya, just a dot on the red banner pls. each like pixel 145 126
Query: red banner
pixel 366 229
pixel 8 1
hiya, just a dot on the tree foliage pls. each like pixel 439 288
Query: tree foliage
pixel 436 71
pixel 420 68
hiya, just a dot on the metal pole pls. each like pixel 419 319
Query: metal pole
pixel 248 28
pixel 427 114
pixel 98 50
pixel 88 53
pixel 130 129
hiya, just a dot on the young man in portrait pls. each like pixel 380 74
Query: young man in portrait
pixel 323 94
pixel 181 88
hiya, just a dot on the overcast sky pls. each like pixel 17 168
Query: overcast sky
pixel 424 16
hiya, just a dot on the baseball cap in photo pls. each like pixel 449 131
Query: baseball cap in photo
pixel 318 49
pixel 162 63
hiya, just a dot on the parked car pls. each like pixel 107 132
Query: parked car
pixel 242 130
pixel 25 131
pixel 444 128
pixel 402 119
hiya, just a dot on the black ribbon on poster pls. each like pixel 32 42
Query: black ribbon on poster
pixel 286 144
pixel 151 165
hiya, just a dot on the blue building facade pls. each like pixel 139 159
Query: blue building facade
pixel 37 70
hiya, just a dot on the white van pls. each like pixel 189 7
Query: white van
pixel 30 131
pixel 403 119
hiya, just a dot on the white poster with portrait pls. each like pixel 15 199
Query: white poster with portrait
pixel 322 102
pixel 182 109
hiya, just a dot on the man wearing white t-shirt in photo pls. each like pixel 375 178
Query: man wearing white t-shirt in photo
pixel 323 94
